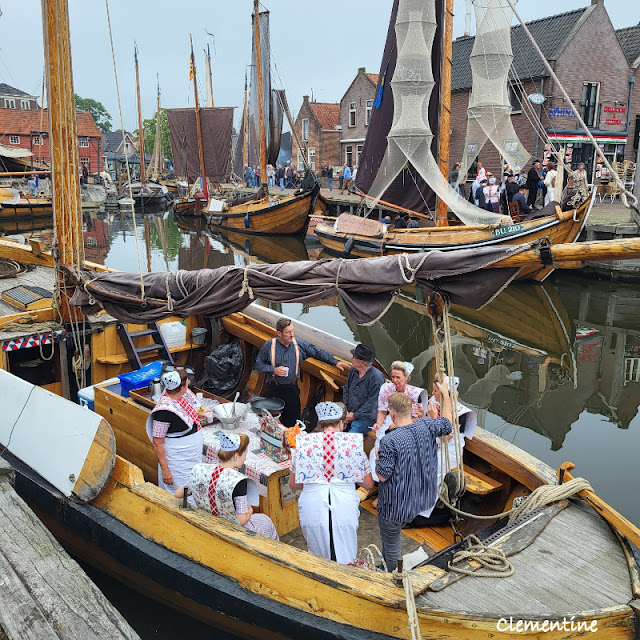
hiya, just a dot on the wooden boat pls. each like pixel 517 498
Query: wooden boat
pixel 563 227
pixel 262 213
pixel 236 580
pixel 14 205
pixel 274 215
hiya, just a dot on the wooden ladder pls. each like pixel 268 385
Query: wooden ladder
pixel 133 352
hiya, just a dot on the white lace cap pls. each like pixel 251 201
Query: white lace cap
pixel 171 380
pixel 229 441
pixel 328 411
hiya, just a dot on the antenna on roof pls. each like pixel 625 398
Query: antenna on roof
pixel 467 19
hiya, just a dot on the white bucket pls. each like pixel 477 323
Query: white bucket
pixel 174 334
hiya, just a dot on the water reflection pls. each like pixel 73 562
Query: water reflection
pixel 554 368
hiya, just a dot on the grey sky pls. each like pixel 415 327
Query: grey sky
pixel 317 47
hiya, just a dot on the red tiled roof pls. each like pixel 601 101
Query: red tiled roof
pixel 23 122
pixel 328 114
pixel 373 77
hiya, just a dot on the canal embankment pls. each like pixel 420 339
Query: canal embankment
pixel 43 592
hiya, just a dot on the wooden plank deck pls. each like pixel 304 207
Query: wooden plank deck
pixel 43 592
pixel 576 564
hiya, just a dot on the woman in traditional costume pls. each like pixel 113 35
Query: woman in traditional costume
pixel 400 376
pixel 174 430
pixel 326 465
pixel 223 491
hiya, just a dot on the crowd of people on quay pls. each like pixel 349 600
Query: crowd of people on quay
pixel 329 464
pixel 531 190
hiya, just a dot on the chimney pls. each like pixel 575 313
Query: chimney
pixel 597 1
pixel 305 99
pixel 362 69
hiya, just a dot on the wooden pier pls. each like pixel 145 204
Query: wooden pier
pixel 43 592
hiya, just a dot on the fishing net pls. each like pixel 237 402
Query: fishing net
pixel 410 136
pixel 489 111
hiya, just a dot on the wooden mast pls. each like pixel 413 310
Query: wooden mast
pixel 143 172
pixel 65 183
pixel 209 78
pixel 445 102
pixel 198 126
pixel 245 146
pixel 261 127
pixel 155 166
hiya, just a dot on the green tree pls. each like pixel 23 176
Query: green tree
pixel 150 134
pixel 97 110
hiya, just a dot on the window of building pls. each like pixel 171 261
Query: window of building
pixel 9 103
pixel 348 155
pixel 25 104
pixel 358 152
pixel 369 110
pixel 127 147
pixel 84 161
pixel 83 142
pixel 92 242
pixel 35 140
pixel 589 104
pixel 312 158
pixel 305 129
pixel 515 98
pixel 352 114
pixel 300 160
pixel 14 139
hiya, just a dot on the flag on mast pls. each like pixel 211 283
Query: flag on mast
pixel 192 62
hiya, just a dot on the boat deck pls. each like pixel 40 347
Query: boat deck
pixel 42 277
pixel 576 564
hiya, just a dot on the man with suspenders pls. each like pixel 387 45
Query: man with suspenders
pixel 280 359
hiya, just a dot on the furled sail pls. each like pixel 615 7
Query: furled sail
pixel 271 107
pixel 155 165
pixel 489 112
pixel 217 126
pixel 410 136
pixel 365 286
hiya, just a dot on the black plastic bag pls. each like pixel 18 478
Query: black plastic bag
pixel 309 415
pixel 222 369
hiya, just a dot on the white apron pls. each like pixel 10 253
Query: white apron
pixel 340 457
pixel 314 510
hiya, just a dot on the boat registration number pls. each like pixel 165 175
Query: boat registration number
pixel 500 341
pixel 507 231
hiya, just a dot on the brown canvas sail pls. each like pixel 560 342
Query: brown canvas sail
pixel 217 125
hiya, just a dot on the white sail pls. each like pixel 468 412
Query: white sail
pixel 489 111
pixel 410 135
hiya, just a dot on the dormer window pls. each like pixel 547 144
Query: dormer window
pixel 9 103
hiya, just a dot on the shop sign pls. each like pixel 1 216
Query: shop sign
pixel 561 112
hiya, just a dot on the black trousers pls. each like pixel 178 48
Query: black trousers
pixel 290 393
pixel 533 194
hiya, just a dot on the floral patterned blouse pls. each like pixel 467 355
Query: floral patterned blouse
pixel 388 388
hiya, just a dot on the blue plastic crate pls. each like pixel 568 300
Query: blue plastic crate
pixel 139 378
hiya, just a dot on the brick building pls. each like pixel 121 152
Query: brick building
pixel 629 39
pixel 584 51
pixel 356 107
pixel 318 130
pixel 22 125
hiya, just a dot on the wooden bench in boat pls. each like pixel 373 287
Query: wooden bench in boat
pixel 439 537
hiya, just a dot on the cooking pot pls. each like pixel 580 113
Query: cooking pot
pixel 273 405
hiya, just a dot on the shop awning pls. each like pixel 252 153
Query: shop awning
pixel 573 135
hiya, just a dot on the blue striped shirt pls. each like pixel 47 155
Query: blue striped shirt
pixel 408 459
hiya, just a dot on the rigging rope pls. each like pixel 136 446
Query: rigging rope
pixel 126 155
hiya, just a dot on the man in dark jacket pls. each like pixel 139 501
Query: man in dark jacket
pixel 399 222
pixel 533 177
pixel 523 207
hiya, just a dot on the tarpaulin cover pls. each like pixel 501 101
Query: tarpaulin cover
pixel 366 286
pixel 217 125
